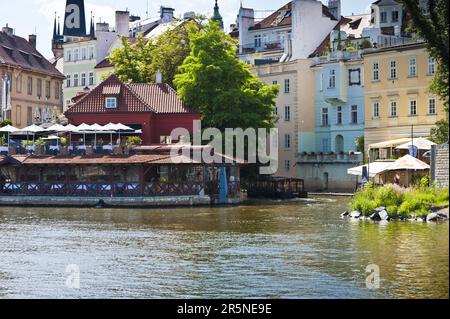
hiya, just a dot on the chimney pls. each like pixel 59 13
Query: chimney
pixel 159 79
pixel 102 27
pixel 335 8
pixel 166 14
pixel 8 30
pixel 32 39
pixel 245 20
pixel 122 23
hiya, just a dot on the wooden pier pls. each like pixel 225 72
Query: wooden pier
pixel 284 188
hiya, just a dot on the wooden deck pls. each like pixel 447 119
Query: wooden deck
pixel 285 188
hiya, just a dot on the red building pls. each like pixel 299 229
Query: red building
pixel 153 108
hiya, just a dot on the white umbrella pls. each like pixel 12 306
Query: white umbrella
pixel 374 169
pixel 96 128
pixel 9 129
pixel 408 162
pixel 32 129
pixel 58 128
pixel 420 143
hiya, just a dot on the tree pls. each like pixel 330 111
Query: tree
pixel 139 61
pixel 221 87
pixel 5 123
pixel 433 27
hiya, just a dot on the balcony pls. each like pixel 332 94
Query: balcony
pixel 338 56
pixel 72 150
pixel 330 158
pixel 264 47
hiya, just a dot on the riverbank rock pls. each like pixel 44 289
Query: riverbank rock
pixel 355 214
pixel 380 209
pixel 380 215
pixel 345 214
pixel 435 217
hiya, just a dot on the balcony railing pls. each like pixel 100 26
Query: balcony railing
pixel 264 46
pixel 82 189
pixel 330 157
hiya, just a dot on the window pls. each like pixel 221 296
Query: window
pixel 325 145
pixel 19 115
pixel 30 85
pixel 339 115
pixel 287 113
pixel 83 54
pixel 393 70
pixel 275 82
pixel 287 165
pixel 383 17
pixel 91 78
pixel 394 16
pixel 376 110
pixel 39 88
pixel 413 107
pixel 57 92
pixel 412 67
pixel 29 116
pixel 354 114
pixel 275 111
pixel 393 108
pixel 431 66
pixel 257 41
pixel 47 89
pixel 69 56
pixel 287 86
pixel 165 140
pixel 83 79
pixel 432 106
pixel 75 80
pixel 325 117
pixel 68 80
pixel 332 79
pixel 287 141
pixel 75 55
pixel 376 71
pixel 91 53
pixel 19 84
pixel 111 103
pixel 321 82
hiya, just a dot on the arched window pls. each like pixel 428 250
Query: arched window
pixel 339 143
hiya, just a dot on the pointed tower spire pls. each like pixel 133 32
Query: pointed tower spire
pixel 217 17
pixel 59 26
pixel 54 30
pixel 92 31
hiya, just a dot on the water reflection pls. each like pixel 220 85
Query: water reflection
pixel 300 249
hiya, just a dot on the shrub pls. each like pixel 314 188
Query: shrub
pixel 134 141
pixel 3 141
pixel 63 141
pixel 40 142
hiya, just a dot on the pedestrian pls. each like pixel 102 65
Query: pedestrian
pixel 397 179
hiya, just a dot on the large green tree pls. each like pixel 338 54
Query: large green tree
pixel 431 24
pixel 138 60
pixel 214 81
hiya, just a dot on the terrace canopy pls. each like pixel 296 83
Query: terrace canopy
pixel 8 129
pixel 420 143
pixel 374 169
pixel 408 162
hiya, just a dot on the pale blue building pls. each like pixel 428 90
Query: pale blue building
pixel 339 121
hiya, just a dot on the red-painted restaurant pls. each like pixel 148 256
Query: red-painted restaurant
pixel 89 162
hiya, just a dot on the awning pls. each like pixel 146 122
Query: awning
pixel 8 129
pixel 408 162
pixel 389 144
pixel 420 143
pixel 374 169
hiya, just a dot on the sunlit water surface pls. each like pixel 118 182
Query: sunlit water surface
pixel 299 249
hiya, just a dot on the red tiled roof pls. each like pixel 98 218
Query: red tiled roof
pixel 156 98
pixel 18 52
pixel 104 64
pixel 89 160
pixel 283 17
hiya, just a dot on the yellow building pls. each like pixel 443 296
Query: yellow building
pixel 30 86
pixel 397 96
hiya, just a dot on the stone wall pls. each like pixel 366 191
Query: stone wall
pixel 439 165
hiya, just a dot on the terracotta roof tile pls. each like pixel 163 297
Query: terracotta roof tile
pixel 18 52
pixel 156 98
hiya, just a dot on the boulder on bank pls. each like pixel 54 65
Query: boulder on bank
pixel 345 214
pixel 435 217
pixel 380 209
pixel 355 214
pixel 381 215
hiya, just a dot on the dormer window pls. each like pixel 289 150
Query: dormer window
pixel 111 103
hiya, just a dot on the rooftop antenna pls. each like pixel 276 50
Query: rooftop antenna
pixel 146 12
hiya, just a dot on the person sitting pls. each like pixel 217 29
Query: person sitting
pixel 397 179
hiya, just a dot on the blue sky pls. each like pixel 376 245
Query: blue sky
pixel 30 16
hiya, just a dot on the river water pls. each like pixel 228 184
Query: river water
pixel 297 249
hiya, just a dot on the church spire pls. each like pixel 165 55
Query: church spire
pixel 59 26
pixel 217 17
pixel 92 30
pixel 55 34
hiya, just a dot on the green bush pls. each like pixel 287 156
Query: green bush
pixel 414 201
pixel 134 141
